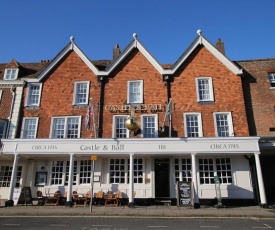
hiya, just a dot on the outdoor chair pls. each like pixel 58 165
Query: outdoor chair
pixel 54 199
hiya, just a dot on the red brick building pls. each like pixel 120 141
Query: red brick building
pixel 259 86
pixel 189 125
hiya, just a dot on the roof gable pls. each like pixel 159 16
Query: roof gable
pixel 71 46
pixel 200 40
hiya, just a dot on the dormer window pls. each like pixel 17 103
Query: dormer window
pixel 11 74
pixel 272 79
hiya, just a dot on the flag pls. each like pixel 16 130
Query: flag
pixel 87 117
pixel 169 108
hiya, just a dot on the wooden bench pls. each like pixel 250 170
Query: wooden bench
pixel 166 202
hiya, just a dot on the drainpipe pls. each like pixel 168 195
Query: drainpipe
pixel 100 106
pixel 167 79
pixel 12 89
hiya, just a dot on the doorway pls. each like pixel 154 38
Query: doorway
pixel 162 177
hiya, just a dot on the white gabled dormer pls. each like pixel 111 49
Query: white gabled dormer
pixel 11 71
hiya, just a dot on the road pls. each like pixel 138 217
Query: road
pixel 128 223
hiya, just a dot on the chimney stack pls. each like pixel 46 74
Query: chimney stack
pixel 116 51
pixel 220 46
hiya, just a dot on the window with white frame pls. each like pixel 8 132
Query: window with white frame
pixel 3 127
pixel 33 94
pixel 5 176
pixel 1 91
pixel 117 171
pixel 119 127
pixel 68 171
pixel 137 171
pixel 11 74
pixel 65 127
pixel 81 93
pixel 223 124
pixel 135 92
pixel 221 167
pixel 271 77
pixel 57 173
pixel 183 169
pixel 204 89
pixel 85 172
pixel 29 127
pixel 149 125
pixel 192 125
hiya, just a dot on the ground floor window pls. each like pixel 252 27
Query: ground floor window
pixel 183 169
pixel 85 172
pixel 221 167
pixel 5 176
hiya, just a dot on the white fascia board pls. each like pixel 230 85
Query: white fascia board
pixel 123 55
pixel 222 58
pixel 56 60
pixel 9 83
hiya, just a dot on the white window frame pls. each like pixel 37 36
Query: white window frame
pixel 230 123
pixel 129 100
pixel 207 176
pixel 65 125
pixel 28 96
pixel 271 77
pixel 59 175
pixel 117 171
pixel 210 84
pixel 5 176
pixel 76 84
pixel 198 115
pixel 115 117
pixel 1 91
pixel 85 176
pixel 142 127
pixel 8 76
pixel 4 129
pixel 183 169
pixel 23 131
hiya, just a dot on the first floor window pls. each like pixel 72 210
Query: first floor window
pixel 5 176
pixel 117 171
pixel 57 173
pixel 29 127
pixel 223 124
pixel 192 124
pixel 85 172
pixel 65 127
pixel 183 169
pixel 68 171
pixel 138 171
pixel 3 127
pixel 149 126
pixel 221 167
pixel 119 128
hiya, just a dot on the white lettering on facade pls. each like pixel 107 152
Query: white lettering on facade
pixel 141 107
pixel 224 146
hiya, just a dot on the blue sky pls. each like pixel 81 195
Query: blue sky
pixel 34 30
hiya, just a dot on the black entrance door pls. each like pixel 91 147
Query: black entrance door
pixel 162 181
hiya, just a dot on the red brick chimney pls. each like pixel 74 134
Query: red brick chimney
pixel 220 46
pixel 116 51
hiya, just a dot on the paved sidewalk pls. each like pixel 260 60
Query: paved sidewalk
pixel 140 211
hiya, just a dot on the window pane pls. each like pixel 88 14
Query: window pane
pixel 121 130
pixel 192 125
pixel 135 92
pixel 34 94
pixel 29 128
pixel 81 93
pixel 59 127
pixel 222 125
pixel 149 126
pixel 204 89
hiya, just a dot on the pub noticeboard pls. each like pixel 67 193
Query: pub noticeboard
pixel 184 193
pixel 25 196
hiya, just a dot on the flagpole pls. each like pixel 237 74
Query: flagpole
pixel 94 126
pixel 170 117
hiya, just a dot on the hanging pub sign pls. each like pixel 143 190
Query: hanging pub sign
pixel 184 193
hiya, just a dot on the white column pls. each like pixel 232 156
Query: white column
pixel 131 181
pixel 70 181
pixel 13 176
pixel 260 179
pixel 194 180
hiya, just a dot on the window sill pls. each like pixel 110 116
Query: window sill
pixel 32 107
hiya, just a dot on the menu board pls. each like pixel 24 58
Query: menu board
pixel 25 196
pixel 184 193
